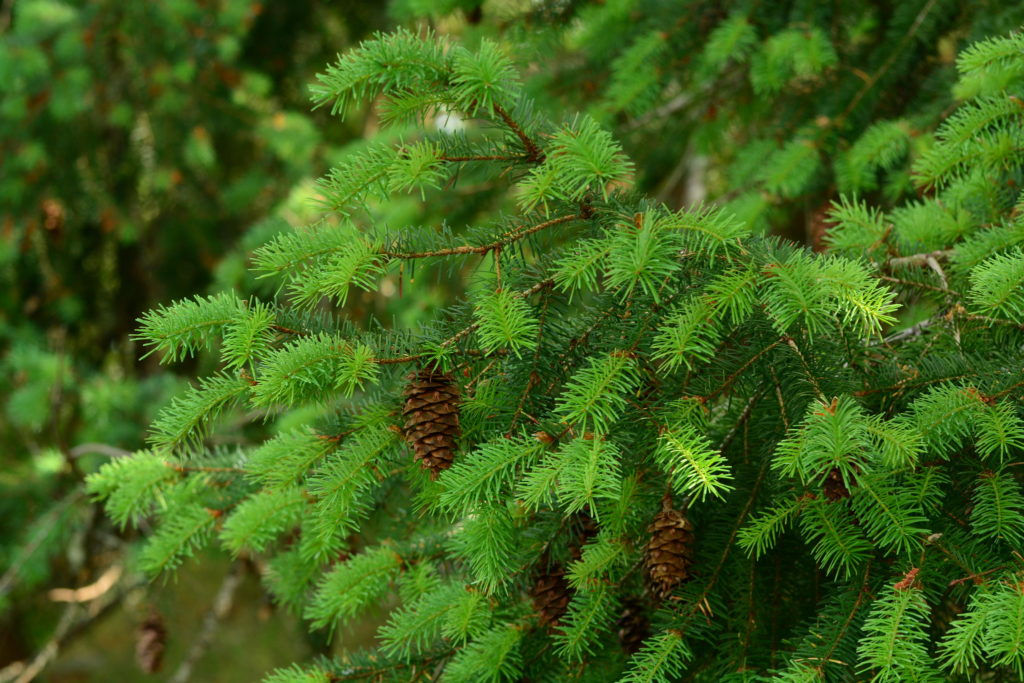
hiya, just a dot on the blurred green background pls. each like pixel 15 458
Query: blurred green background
pixel 145 148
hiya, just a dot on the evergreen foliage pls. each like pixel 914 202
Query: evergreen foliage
pixel 842 430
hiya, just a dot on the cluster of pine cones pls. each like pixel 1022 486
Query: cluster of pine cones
pixel 667 559
pixel 431 415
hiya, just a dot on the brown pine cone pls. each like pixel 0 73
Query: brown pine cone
pixel 669 553
pixel 551 594
pixel 150 641
pixel 834 488
pixel 432 418
pixel 633 625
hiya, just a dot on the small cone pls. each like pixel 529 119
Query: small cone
pixel 551 594
pixel 834 488
pixel 633 625
pixel 669 553
pixel 432 418
pixel 150 642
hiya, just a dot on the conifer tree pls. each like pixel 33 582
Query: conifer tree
pixel 645 444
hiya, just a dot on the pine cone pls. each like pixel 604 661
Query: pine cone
pixel 834 488
pixel 551 594
pixel 432 418
pixel 633 625
pixel 150 642
pixel 669 553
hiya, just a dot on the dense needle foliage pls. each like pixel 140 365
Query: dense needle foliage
pixel 841 429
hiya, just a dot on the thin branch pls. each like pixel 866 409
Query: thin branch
pixel 910 332
pixel 397 360
pixel 732 378
pixel 483 249
pixel 534 152
pixel 888 62
pixel 485 157
pixel 921 285
pixel 196 468
pixel 861 595
pixel 807 368
pixel 288 330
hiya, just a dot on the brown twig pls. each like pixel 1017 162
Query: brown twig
pixel 534 152
pixel 921 285
pixel 485 157
pixel 888 62
pixel 486 248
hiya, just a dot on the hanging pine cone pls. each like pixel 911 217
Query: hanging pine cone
pixel 432 418
pixel 551 594
pixel 633 625
pixel 150 641
pixel 834 488
pixel 669 553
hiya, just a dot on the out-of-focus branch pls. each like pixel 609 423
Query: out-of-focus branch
pixel 94 590
pixel 77 617
pixel 101 448
pixel 222 603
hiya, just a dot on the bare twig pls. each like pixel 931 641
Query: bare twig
pixel 919 259
pixel 93 591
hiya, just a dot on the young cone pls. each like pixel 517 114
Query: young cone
pixel 432 418
pixel 669 553
pixel 834 488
